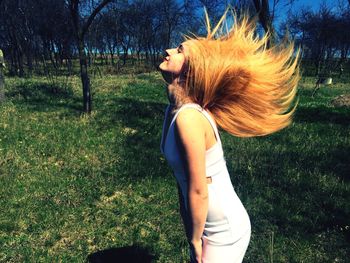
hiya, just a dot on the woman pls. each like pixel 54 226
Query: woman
pixel 235 82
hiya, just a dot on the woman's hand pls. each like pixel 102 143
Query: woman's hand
pixel 197 250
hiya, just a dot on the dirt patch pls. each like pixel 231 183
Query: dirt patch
pixel 342 100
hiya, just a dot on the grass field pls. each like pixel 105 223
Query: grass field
pixel 74 187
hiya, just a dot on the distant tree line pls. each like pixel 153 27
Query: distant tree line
pixel 36 35
pixel 35 31
pixel 324 37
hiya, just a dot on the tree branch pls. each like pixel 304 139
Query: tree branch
pixel 263 10
pixel 258 6
pixel 92 16
pixel 73 7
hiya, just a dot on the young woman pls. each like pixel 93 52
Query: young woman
pixel 236 82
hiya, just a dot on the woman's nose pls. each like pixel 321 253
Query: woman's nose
pixel 171 51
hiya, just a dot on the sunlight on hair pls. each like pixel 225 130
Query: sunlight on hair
pixel 249 87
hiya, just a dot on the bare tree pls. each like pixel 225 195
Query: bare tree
pixel 323 36
pixel 2 78
pixel 265 18
pixel 14 34
pixel 267 15
pixel 80 30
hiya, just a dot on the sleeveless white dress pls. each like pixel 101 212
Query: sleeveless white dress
pixel 227 229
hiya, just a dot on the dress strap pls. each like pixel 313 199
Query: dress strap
pixel 213 125
pixel 204 112
pixel 185 106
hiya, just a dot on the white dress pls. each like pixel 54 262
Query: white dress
pixel 227 229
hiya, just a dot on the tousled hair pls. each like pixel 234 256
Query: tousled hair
pixel 248 87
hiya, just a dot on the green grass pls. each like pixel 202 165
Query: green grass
pixel 73 185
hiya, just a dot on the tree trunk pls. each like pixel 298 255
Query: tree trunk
pixel 125 53
pixel 89 59
pixel 69 66
pixel 20 63
pixel 30 62
pixel 111 52
pixel 2 78
pixel 80 31
pixel 2 85
pixel 87 102
pixel 263 10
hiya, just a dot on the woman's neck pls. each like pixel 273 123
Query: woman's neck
pixel 176 95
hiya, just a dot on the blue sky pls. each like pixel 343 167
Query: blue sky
pixel 281 11
pixel 314 4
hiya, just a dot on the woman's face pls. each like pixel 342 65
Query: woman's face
pixel 174 62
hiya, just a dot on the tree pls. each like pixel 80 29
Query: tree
pixel 14 33
pixel 267 15
pixel 324 38
pixel 80 30
pixel 2 79
pixel 28 37
pixel 265 18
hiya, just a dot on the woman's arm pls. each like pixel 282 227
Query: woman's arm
pixel 191 133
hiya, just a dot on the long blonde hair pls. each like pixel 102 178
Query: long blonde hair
pixel 248 87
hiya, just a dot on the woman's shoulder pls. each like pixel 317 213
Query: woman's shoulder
pixel 190 117
pixel 190 129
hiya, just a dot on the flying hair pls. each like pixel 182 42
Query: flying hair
pixel 248 86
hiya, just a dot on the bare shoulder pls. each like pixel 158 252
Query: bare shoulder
pixel 190 118
pixel 191 131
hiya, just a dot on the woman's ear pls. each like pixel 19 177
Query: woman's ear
pixel 184 72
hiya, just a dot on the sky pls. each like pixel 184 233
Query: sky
pixel 314 4
pixel 298 4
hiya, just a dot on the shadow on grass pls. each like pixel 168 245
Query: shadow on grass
pixel 322 114
pixel 44 97
pixel 301 193
pixel 297 188
pixel 130 254
pixel 140 125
